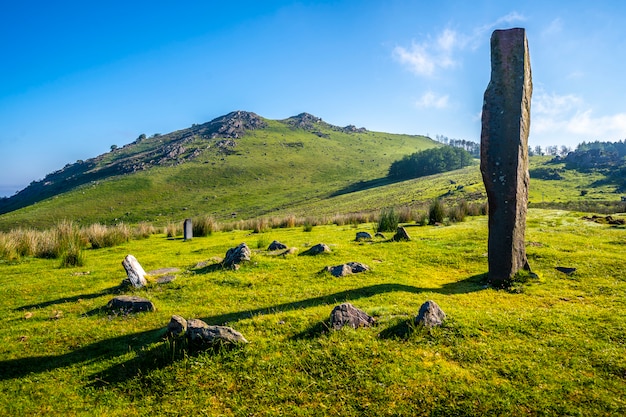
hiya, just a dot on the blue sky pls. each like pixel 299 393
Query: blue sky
pixel 78 77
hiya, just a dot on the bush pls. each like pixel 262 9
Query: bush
pixel 144 230
pixel 172 229
pixel 436 212
pixel 204 226
pixel 101 236
pixel 388 221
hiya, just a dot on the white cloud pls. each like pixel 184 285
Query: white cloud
pixel 555 26
pixel 426 57
pixel 568 119
pixel 432 100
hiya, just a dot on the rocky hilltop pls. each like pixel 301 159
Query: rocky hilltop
pixel 178 147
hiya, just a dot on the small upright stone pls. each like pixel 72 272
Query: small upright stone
pixel 188 229
pixel 401 235
pixel 504 152
pixel 134 271
pixel 430 315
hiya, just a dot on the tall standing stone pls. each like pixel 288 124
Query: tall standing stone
pixel 187 229
pixel 504 152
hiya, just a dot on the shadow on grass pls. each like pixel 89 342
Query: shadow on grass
pixel 113 290
pixel 365 185
pixel 153 357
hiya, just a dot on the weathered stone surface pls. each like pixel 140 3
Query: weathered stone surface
pixel 348 315
pixel 130 304
pixel 163 271
pixel 316 250
pixel 347 269
pixel 276 245
pixel 236 256
pixel 165 279
pixel 430 315
pixel 177 326
pixel 188 229
pixel 363 236
pixel 504 152
pixel 201 334
pixel 134 271
pixel 401 235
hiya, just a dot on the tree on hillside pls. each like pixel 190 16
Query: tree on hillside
pixel 430 161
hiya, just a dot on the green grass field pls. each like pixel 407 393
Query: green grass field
pixel 554 346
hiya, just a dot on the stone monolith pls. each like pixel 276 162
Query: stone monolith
pixel 504 152
pixel 187 229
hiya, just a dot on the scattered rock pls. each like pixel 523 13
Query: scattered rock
pixel 136 274
pixel 163 271
pixel 236 256
pixel 177 326
pixel 346 269
pixel 380 235
pixel 28 315
pixel 316 250
pixel 363 236
pixel 430 315
pixel 289 251
pixel 276 245
pixel 605 220
pixel 130 304
pixel 347 315
pixel 565 270
pixel 165 279
pixel 201 335
pixel 401 235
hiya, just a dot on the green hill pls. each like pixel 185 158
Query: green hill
pixel 238 164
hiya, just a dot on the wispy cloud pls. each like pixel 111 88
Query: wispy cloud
pixel 568 118
pixel 432 100
pixel 425 58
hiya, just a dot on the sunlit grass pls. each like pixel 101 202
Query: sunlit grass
pixel 558 347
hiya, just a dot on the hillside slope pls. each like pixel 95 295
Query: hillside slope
pixel 237 165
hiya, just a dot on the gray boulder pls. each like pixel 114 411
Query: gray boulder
pixel 177 326
pixel 348 315
pixel 316 250
pixel 430 315
pixel 202 335
pixel 347 269
pixel 236 256
pixel 363 236
pixel 130 304
pixel 276 245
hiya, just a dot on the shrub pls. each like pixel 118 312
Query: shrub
pixel 172 229
pixel 144 230
pixel 204 226
pixel 8 250
pixel 388 221
pixel 405 215
pixel 308 226
pixel 436 212
pixel 456 214
pixel 101 236
pixel 70 243
pixel 422 219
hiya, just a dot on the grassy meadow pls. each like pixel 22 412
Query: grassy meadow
pixel 555 345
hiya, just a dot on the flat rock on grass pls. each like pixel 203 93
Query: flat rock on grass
pixel 203 335
pixel 276 245
pixel 346 269
pixel 130 304
pixel 317 249
pixel 348 315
